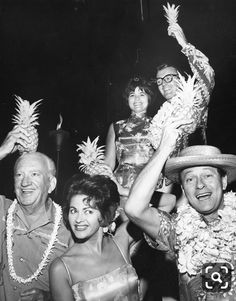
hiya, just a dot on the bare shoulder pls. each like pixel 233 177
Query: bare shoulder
pixel 57 268
pixel 121 234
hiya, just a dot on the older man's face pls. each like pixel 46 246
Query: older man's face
pixel 203 186
pixel 32 181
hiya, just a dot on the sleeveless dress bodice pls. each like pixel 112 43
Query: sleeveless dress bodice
pixel 121 284
pixel 133 148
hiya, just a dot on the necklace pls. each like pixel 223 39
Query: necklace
pixel 198 243
pixel 47 252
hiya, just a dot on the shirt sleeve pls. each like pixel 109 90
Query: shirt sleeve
pixel 201 68
pixel 165 239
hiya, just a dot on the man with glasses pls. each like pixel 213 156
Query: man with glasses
pixel 167 75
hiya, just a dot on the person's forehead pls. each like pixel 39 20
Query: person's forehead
pixel 165 71
pixel 198 169
pixel 137 90
pixel 31 161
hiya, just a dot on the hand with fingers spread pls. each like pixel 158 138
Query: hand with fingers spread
pixel 17 136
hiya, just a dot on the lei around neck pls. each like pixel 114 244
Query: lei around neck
pixel 198 242
pixel 47 252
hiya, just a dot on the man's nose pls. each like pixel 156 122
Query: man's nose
pixel 200 183
pixel 25 180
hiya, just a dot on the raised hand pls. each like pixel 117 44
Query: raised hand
pixel 171 133
pixel 17 136
pixel 176 31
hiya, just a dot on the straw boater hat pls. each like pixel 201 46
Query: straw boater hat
pixel 199 155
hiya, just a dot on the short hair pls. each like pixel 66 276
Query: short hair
pixel 143 84
pixel 49 162
pixel 165 65
pixel 102 195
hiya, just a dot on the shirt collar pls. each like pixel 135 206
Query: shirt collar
pixel 45 217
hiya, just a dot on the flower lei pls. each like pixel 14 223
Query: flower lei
pixel 198 243
pixel 47 252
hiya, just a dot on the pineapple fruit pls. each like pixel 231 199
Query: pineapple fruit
pixel 185 105
pixel 171 13
pixel 27 117
pixel 92 159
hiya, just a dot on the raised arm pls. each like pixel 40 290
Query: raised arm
pixel 198 62
pixel 110 155
pixel 18 135
pixel 137 206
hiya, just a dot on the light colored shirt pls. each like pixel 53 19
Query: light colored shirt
pixel 29 244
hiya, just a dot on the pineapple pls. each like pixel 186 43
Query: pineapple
pixel 92 159
pixel 185 105
pixel 27 117
pixel 172 13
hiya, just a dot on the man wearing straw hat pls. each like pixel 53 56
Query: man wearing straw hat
pixel 201 236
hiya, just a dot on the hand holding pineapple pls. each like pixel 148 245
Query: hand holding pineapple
pixel 177 32
pixel 18 136
pixel 174 30
pixel 27 119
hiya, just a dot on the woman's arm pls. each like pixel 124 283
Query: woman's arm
pixel 59 282
pixel 110 154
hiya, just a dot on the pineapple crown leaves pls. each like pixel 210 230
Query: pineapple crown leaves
pixel 171 13
pixel 187 90
pixel 181 105
pixel 26 112
pixel 90 153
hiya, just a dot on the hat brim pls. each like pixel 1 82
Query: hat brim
pixel 175 165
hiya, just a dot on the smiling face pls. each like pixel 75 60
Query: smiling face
pixel 83 219
pixel 203 187
pixel 138 101
pixel 167 89
pixel 33 181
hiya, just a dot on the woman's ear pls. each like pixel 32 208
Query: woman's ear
pixel 53 183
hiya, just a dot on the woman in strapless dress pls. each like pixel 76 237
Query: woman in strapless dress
pixel 97 267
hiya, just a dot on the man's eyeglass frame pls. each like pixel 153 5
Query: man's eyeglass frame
pixel 167 79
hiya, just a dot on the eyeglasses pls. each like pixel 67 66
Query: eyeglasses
pixel 167 79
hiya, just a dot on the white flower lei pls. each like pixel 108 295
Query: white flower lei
pixel 47 252
pixel 198 243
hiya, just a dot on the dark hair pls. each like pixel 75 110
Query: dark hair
pixel 143 84
pixel 165 65
pixel 101 191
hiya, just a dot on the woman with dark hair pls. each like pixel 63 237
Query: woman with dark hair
pixel 97 266
pixel 127 141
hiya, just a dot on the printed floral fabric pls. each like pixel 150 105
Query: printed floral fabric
pixel 193 242
pixel 204 73
pixel 133 148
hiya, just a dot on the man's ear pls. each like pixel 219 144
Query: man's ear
pixel 224 182
pixel 53 183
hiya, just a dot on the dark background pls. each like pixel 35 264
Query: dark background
pixel 78 55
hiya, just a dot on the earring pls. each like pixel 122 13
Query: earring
pixel 105 229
